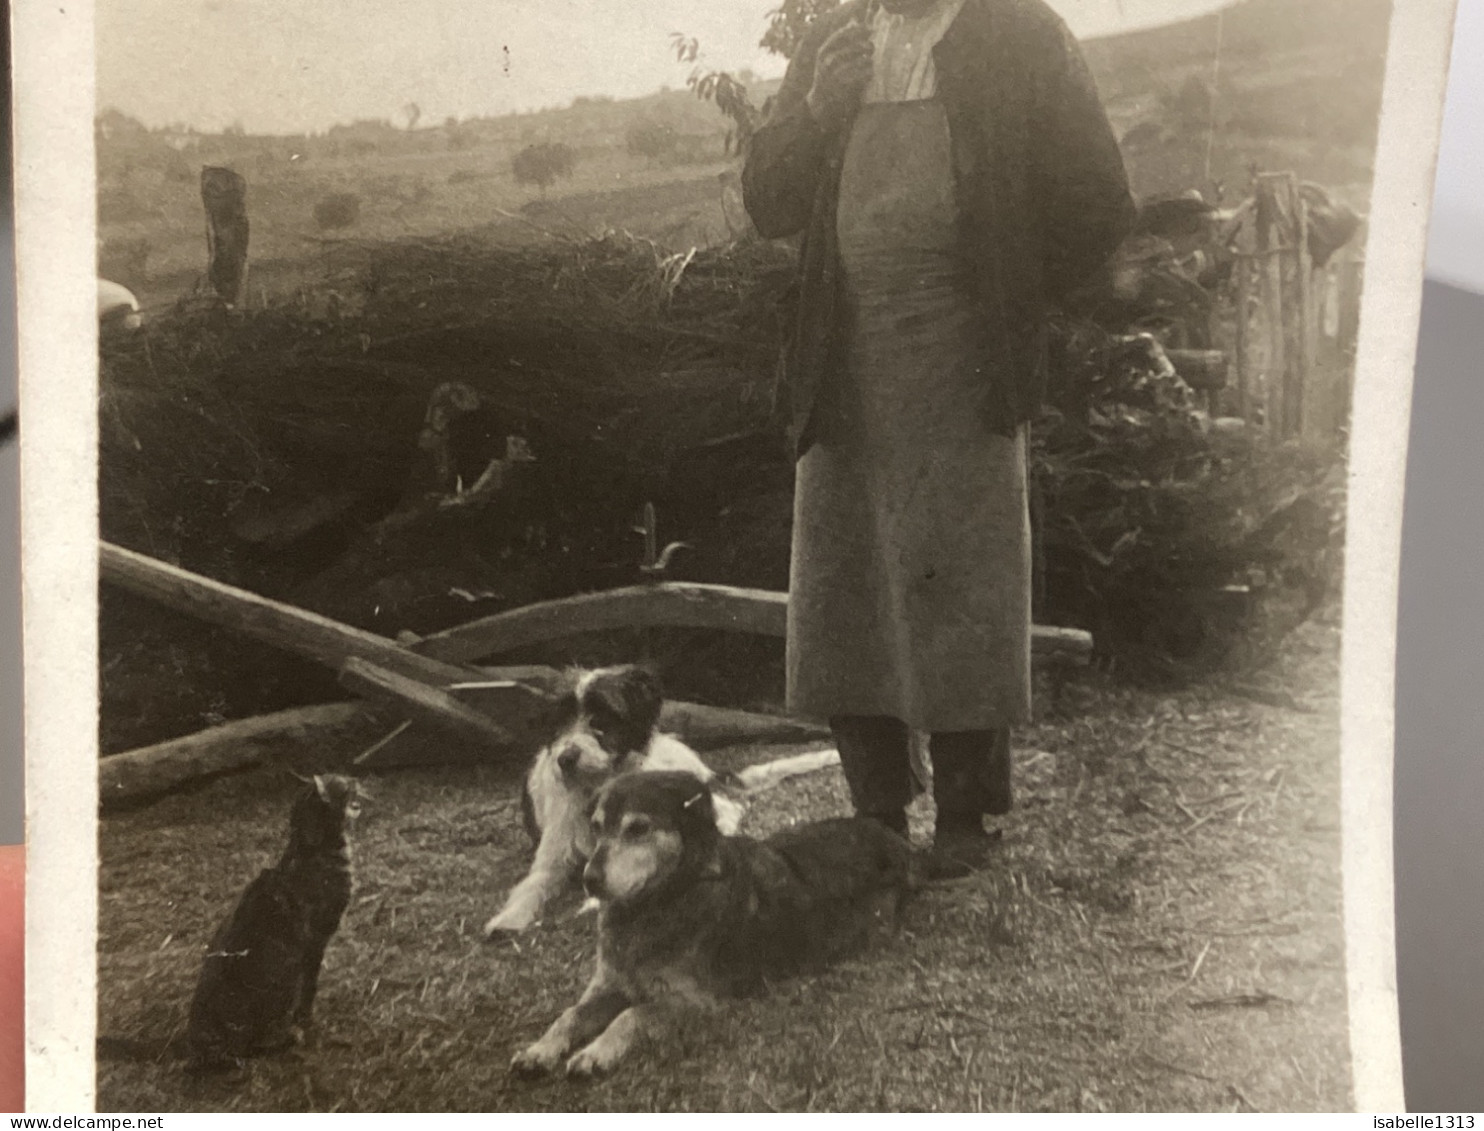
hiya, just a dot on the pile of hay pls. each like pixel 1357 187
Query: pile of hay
pixel 636 376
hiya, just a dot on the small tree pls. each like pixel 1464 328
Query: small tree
pixel 651 139
pixel 786 27
pixel 789 21
pixel 413 113
pixel 543 164
pixel 729 94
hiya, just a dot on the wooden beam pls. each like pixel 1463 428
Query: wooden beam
pixel 273 622
pixel 429 704
pixel 669 604
pixel 237 745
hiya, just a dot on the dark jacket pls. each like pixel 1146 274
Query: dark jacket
pixel 1043 195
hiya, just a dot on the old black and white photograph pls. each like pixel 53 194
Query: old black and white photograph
pixel 771 556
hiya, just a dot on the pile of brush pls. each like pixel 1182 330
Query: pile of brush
pixel 280 449
pixel 1186 544
pixel 610 358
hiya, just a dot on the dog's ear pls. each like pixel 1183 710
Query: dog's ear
pixel 642 695
pixel 557 707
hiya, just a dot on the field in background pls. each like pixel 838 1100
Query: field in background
pixel 426 182
pixel 1197 105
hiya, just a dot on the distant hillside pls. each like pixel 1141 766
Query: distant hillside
pixel 1273 84
pixel 1249 29
pixel 1285 84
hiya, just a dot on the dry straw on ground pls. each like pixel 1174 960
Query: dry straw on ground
pixel 1162 932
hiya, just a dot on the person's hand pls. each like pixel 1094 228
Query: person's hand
pixel 840 74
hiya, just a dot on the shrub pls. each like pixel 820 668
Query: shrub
pixel 651 140
pixel 338 210
pixel 543 164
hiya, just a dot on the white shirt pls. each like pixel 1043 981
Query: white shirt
pixel 902 69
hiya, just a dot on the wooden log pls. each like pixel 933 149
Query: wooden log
pixel 668 604
pixel 1060 646
pixel 706 727
pixel 701 726
pixel 224 193
pixel 427 704
pixel 273 622
pixel 237 745
pixel 663 605
pixel 1202 370
pixel 697 723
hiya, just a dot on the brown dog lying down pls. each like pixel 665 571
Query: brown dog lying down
pixel 604 724
pixel 689 916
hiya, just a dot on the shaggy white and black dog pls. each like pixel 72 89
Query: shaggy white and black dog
pixel 604 723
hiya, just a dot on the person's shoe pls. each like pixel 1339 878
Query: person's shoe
pixel 961 846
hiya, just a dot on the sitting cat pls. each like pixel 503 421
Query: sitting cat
pixel 258 981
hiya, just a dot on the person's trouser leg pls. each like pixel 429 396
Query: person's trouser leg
pixel 971 772
pixel 971 777
pixel 874 753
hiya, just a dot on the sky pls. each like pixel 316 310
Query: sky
pixel 290 66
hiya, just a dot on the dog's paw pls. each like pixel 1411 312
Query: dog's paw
pixel 591 1062
pixel 511 921
pixel 539 1059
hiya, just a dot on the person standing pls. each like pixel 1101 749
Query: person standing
pixel 953 175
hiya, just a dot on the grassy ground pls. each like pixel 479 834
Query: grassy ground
pixel 1162 932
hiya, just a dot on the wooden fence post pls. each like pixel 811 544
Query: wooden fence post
pixel 1303 271
pixel 224 193
pixel 1244 289
pixel 1269 247
pixel 1283 244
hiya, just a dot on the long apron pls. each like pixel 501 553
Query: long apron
pixel 911 562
